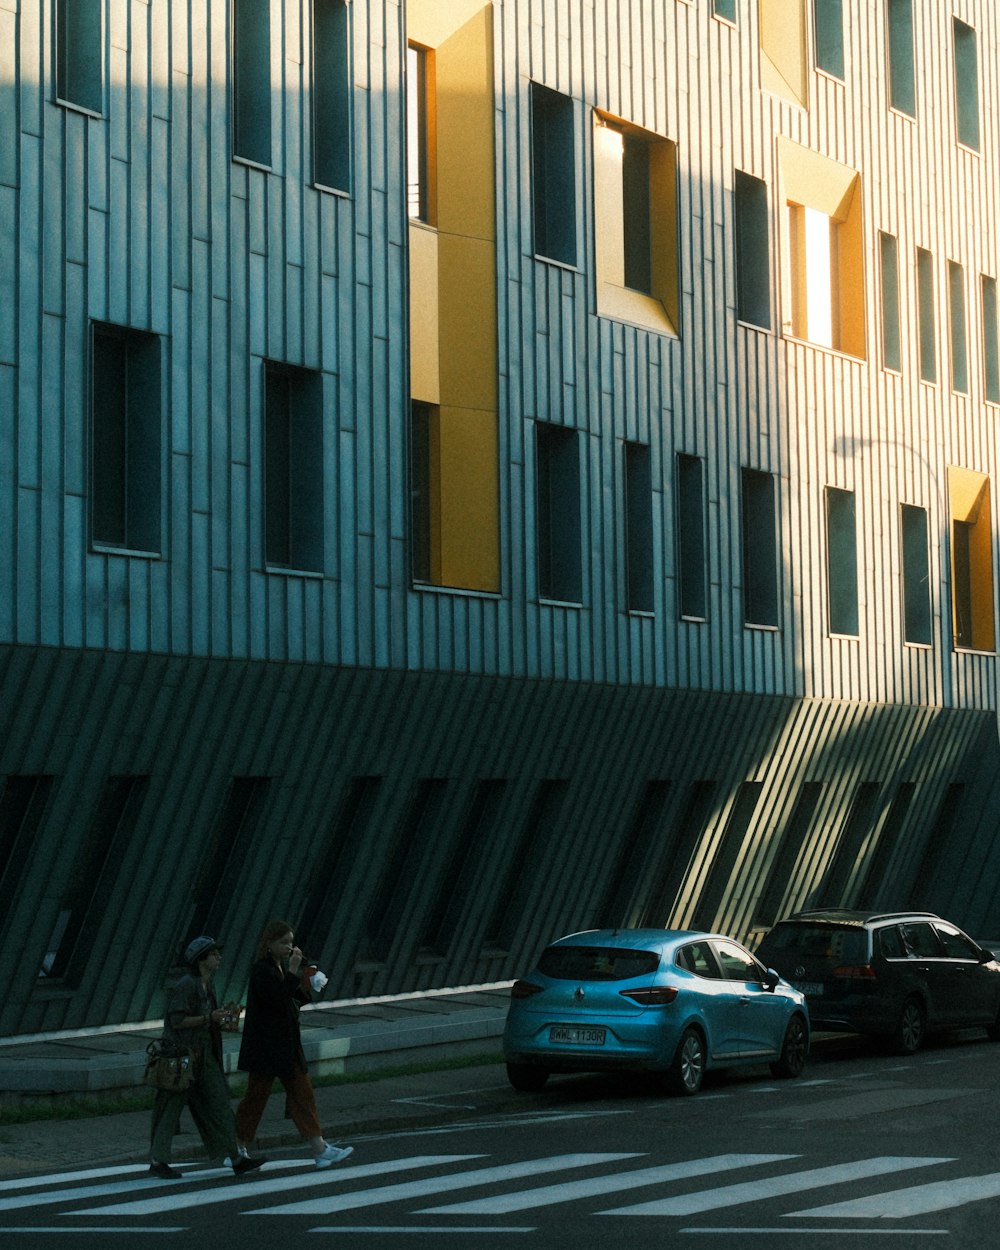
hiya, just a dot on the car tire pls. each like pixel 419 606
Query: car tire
pixel 794 1050
pixel 688 1067
pixel 526 1078
pixel 908 1035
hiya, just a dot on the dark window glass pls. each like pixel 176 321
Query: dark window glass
pixel 966 85
pixel 961 574
pixel 891 944
pixel 252 81
pixel 760 554
pixel 991 355
pixel 125 439
pixel 638 527
pixel 922 941
pixel 699 958
pixel 891 344
pixel 421 495
pixel 553 174
pixel 902 80
pixel 753 272
pixel 957 945
pixel 925 313
pixel 558 513
pixel 828 29
pixel 293 468
pixel 736 964
pixel 842 561
pixel 956 311
pixel 331 95
pixel 916 575
pixel 691 537
pixel 726 9
pixel 597 963
pixel 79 53
pixel 637 227
pixel 23 802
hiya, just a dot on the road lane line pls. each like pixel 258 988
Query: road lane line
pixel 914 1200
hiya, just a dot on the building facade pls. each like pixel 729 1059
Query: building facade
pixel 470 471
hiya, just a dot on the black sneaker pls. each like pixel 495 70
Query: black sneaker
pixel 164 1171
pixel 245 1164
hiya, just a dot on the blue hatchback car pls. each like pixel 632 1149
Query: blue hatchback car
pixel 656 1000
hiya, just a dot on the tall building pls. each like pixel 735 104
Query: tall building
pixel 470 471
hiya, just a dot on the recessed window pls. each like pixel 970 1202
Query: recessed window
pixel 991 355
pixel 753 269
pixel 916 575
pixel 828 34
pixel 231 846
pixel 690 496
pixel 553 175
pixel 638 527
pixel 902 80
pixel 125 421
pixel 966 85
pixel 79 54
pixel 293 468
pixel 842 561
pixel 635 225
pixel 331 94
pixel 557 476
pixel 252 81
pixel 957 328
pixel 823 270
pixel 726 9
pixel 927 322
pixel 760 551
pixel 971 559
pixel 892 355
pixel 420 181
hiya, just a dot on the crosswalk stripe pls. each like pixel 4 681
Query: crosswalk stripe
pixel 914 1200
pixel 501 1204
pixel 109 1190
pixel 754 1191
pixel 439 1184
pixel 68 1178
pixel 262 1184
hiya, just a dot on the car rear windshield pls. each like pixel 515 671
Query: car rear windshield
pixel 596 963
pixel 843 943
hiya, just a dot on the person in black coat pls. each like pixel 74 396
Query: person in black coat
pixel 272 1045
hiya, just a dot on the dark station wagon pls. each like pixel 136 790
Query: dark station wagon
pixel 897 974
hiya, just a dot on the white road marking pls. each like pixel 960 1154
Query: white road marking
pixel 550 1194
pixel 419 1228
pixel 739 1231
pixel 756 1191
pixel 442 1184
pixel 915 1200
pixel 66 1178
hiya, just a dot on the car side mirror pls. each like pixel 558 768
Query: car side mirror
pixel 771 979
pixel 985 956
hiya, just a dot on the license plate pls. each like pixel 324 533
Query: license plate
pixel 812 989
pixel 576 1035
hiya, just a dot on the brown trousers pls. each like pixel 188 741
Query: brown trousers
pixel 300 1105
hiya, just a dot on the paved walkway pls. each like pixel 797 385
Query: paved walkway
pixel 338 1038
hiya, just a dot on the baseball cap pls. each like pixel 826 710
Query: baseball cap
pixel 199 947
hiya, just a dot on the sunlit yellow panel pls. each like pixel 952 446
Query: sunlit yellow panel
pixel 468 500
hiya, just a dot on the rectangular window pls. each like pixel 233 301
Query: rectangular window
pixel 828 31
pixel 760 552
pixel 557 461
pixel 966 85
pixel 691 537
pixel 252 81
pixel 125 439
pixel 956 321
pixel 635 192
pixel 991 344
pixel 423 525
pixel 86 900
pixel 638 528
pixel 753 269
pixel 553 175
pixel 23 801
pixel 835 888
pixel 793 840
pixel 925 316
pixel 892 355
pixel 971 560
pixel 916 575
pixel 902 80
pixel 716 889
pixel 79 78
pixel 293 467
pixel 331 94
pixel 420 180
pixel 842 561
pixel 725 9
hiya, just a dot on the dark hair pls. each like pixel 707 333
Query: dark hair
pixel 273 930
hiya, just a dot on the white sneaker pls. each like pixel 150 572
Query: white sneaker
pixel 243 1153
pixel 333 1154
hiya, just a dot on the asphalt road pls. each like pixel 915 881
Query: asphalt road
pixel 866 1150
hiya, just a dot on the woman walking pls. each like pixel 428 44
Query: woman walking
pixel 272 1045
pixel 192 1022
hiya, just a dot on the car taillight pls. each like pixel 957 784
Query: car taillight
pixel 855 972
pixel 524 989
pixel 652 995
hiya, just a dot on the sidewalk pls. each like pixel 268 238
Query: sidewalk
pixel 338 1038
